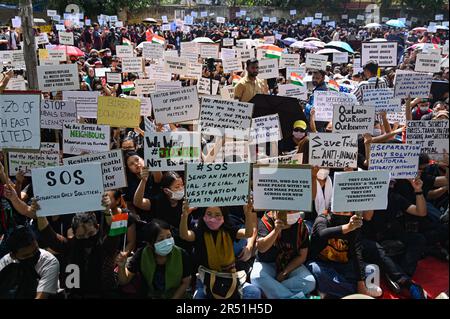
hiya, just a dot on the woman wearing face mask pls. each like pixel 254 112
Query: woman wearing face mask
pixel 164 267
pixel 323 192
pixel 298 141
pixel 422 108
pixel 279 270
pixel 213 238
pixel 336 255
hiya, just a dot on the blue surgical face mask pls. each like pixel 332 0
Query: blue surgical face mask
pixel 164 247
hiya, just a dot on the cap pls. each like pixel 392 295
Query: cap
pixel 300 124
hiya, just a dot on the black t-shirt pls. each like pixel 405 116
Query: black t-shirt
pixel 404 188
pixel 161 209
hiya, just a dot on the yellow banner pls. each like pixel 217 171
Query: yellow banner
pixel 43 54
pixel 44 28
pixel 118 112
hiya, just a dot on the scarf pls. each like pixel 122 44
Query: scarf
pixel 220 253
pixel 323 201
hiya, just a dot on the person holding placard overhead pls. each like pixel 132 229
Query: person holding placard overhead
pixel 250 85
pixel 318 81
pixel 372 81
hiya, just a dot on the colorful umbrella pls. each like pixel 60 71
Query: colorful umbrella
pixel 71 50
pixel 289 41
pixel 202 40
pixel 318 44
pixel 303 45
pixel 420 29
pixel 328 51
pixel 395 24
pixel 378 40
pixel 311 39
pixel 339 45
pixel 372 26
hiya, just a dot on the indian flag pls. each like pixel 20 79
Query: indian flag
pixel 157 39
pixel 127 86
pixel 333 85
pixel 272 51
pixel 236 79
pixel 297 79
pixel 118 225
pixel 125 41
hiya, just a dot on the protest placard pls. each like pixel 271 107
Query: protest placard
pixel 245 54
pixel 118 112
pixel 360 191
pixel 224 184
pixel 401 160
pixel 124 51
pixel 65 38
pixel 204 86
pixel 176 65
pixel 235 151
pixel 316 61
pixel 227 42
pixel 382 99
pixel 54 113
pixel 51 13
pixel 101 72
pixel 413 84
pixel 301 70
pixel 324 102
pixel 17 84
pixel 189 47
pixel 188 20
pixel 57 55
pixel 430 63
pixel 227 54
pixel 48 155
pixel 113 170
pixel 270 39
pixel 233 115
pixel 86 102
pixel 132 65
pixel 209 51
pixel 353 118
pixel 169 151
pixel 42 39
pixel 144 86
pixel 157 73
pixel 153 51
pixel 227 93
pixel 268 69
pixel 333 150
pixel 167 86
pixel 62 77
pixel 384 53
pixel 20 120
pixel 194 71
pixel 282 188
pixel 85 138
pixel 113 77
pixel 432 136
pixel 292 12
pixel 68 189
pixel 292 90
pixel 220 20
pixel 176 106
pixel 265 129
pixel 340 58
pixel 445 48
pixel 397 117
pixel 289 60
pixel 232 65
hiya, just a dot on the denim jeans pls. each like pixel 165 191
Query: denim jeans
pixel 249 291
pixel 264 276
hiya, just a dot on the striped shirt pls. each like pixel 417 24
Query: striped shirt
pixel 370 84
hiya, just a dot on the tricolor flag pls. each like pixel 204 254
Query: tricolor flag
pixel 236 79
pixel 272 51
pixel 118 225
pixel 297 79
pixel 157 39
pixel 333 85
pixel 127 86
pixel 125 41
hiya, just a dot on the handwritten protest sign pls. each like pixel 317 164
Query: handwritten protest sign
pixel 113 77
pixel 209 51
pixel 316 61
pixel 291 159
pixel 204 86
pixel 54 113
pixel 65 38
pixel 227 42
pixel 101 72
pixel 245 54
pixel 118 112
pixel 124 51
pixel 191 47
pixel 384 53
pixel 333 150
pixel 353 118
pixel 53 55
pixel 412 83
pixel 299 70
pixel 132 65
pixel 152 50
pixel 225 184
pixel 360 191
pixel 194 71
pixel 285 188
pixel 113 169
pixel 430 63
pixel 167 86
pixel 227 93
pixel 292 90
pixel 144 86
pixel 268 69
pixel 340 58
pixel 235 151
pixel 231 65
pixel 68 189
pixel 86 102
pixel 42 39
pixel 169 151
pixel 48 155
pixel 85 138
pixel 289 60
pixel 324 102
pixel 228 54
pixel 157 73
pixel 62 77
pixel 20 121
pixel 397 117
pixel 401 160
pixel 176 65
pixel 146 105
pixel 234 116
pixel 176 106
pixel 432 136
pixel 265 129
pixel 382 99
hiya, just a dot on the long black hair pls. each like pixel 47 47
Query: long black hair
pixel 151 231
pixel 226 219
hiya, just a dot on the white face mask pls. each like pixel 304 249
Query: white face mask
pixel 323 174
pixel 177 195
pixel 424 109
pixel 376 132
pixel 292 218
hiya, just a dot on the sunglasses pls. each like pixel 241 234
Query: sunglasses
pixel 299 130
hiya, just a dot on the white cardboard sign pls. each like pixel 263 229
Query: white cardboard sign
pixel 402 160
pixel 333 150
